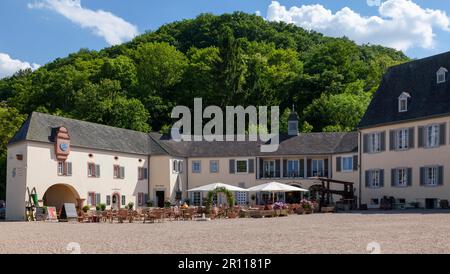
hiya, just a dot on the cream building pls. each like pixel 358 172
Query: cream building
pixel 404 136
pixel 71 161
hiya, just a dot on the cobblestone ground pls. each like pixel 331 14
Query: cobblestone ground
pixel 396 232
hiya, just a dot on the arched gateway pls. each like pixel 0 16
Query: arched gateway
pixel 58 194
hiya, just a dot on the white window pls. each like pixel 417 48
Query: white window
pixel 119 172
pixel 347 164
pixel 402 139
pixel 177 166
pixel 241 166
pixel 431 176
pixel 92 199
pixel 93 170
pixel 269 169
pixel 293 168
pixel 441 75
pixel 401 177
pixel 196 167
pixel 375 142
pixel 403 105
pixel 142 173
pixel 432 135
pixel 64 169
pixel 318 168
pixel 374 178
pixel 214 166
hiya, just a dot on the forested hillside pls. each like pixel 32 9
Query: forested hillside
pixel 232 59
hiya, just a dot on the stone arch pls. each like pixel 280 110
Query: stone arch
pixel 58 194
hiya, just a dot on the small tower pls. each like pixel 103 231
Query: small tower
pixel 293 123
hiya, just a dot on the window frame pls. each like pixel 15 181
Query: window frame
pixel 269 164
pixel 441 73
pixel 435 175
pixel 375 183
pixel 402 139
pixel 296 172
pixel 343 169
pixel 375 142
pixel 236 166
pixel 92 173
pixel 404 172
pixel 428 135
pixel 318 166
pixel 214 163
pixel 403 105
pixel 194 163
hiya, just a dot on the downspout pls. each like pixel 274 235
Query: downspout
pixel 187 178
pixel 148 180
pixel 360 167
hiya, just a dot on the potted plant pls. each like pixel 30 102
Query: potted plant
pixel 167 204
pixel 130 206
pixel 150 203
pixel 97 207
pixel 86 208
pixel 102 207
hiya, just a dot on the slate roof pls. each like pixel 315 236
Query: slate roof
pixel 419 79
pixel 303 144
pixel 42 128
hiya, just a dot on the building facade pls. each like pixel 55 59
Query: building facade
pixel 404 136
pixel 71 161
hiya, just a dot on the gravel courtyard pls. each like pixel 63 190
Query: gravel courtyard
pixel 402 232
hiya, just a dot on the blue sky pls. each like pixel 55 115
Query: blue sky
pixel 34 32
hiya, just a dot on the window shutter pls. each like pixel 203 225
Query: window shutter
pixel 393 173
pixel 122 172
pixel 367 178
pixel 98 198
pixel 441 176
pixel 421 135
pixel 443 134
pixel 422 176
pixel 232 171
pixel 411 138
pixel 383 141
pixel 382 178
pixel 309 167
pixel 123 200
pixel 251 166
pixel 180 166
pixel 69 169
pixel 366 143
pixel 108 200
pixel 392 140
pixel 410 177
pixel 97 171
pixel 338 164
pixel 145 173
pixel 277 168
pixel 285 168
pixel 302 168
pixel 325 166
pixel 355 163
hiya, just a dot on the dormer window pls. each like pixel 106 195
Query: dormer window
pixel 442 75
pixel 403 102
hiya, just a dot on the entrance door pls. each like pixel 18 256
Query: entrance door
pixel 160 198
pixel 115 205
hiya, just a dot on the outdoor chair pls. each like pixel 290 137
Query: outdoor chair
pixel 122 215
pixel 176 213
pixel 149 216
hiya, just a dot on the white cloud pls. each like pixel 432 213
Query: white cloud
pixel 9 66
pixel 112 28
pixel 401 24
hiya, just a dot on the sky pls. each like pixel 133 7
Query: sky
pixel 35 32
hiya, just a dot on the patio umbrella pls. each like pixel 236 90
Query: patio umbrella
pixel 214 186
pixel 275 187
pixel 207 188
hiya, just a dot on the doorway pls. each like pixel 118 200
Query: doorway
pixel 160 195
pixel 115 204
pixel 430 203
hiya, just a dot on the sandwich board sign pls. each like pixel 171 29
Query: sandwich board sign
pixel 69 212
pixel 51 214
pixel 40 214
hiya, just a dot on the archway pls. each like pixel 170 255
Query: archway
pixel 58 194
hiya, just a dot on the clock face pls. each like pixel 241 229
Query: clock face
pixel 64 146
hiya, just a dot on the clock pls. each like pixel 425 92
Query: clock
pixel 64 146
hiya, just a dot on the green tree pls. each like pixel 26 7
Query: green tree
pixel 10 122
